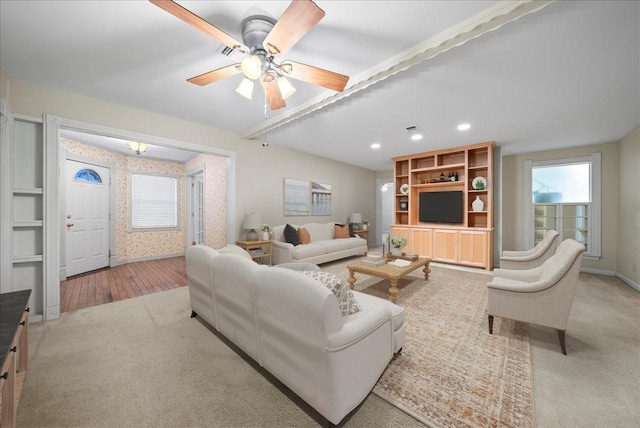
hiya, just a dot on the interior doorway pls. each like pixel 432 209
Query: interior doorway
pixel 385 201
pixel 195 208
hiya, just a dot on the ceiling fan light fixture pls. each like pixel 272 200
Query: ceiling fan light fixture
pixel 286 88
pixel 251 67
pixel 137 147
pixel 246 88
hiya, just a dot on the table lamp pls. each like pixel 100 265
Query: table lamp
pixel 356 220
pixel 251 223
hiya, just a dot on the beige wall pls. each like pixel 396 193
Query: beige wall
pixel 260 184
pixel 513 199
pixel 629 206
pixel 260 171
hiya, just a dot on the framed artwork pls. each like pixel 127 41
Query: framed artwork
pixel 320 199
pixel 296 197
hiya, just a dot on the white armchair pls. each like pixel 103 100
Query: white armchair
pixel 534 257
pixel 542 295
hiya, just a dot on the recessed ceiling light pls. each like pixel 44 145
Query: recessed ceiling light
pixel 375 146
pixel 416 136
pixel 464 126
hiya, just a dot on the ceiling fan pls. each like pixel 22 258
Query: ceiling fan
pixel 264 39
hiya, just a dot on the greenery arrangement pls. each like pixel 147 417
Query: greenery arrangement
pixel 398 242
pixel 266 228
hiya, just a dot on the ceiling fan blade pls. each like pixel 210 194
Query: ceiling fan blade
pixel 271 90
pixel 295 22
pixel 200 24
pixel 317 76
pixel 215 75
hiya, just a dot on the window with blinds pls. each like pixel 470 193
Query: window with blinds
pixel 154 202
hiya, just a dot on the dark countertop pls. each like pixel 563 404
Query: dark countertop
pixel 12 306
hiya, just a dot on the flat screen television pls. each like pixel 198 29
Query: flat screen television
pixel 441 207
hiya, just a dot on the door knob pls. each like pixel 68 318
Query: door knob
pixel 69 224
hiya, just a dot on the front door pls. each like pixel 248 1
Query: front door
pixel 86 217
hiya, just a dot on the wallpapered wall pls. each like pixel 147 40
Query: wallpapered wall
pixel 149 244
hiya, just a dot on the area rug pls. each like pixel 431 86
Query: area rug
pixel 451 371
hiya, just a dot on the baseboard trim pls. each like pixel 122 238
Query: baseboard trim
pixel 144 259
pixel 599 271
pixel 629 282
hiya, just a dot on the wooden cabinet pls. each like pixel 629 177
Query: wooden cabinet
pixel 468 170
pixel 14 327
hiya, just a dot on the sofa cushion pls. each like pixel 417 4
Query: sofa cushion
pixel 348 303
pixel 356 242
pixel 335 245
pixel 304 235
pixel 291 235
pixel 306 251
pixel 341 231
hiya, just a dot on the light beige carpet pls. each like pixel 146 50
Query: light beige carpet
pixel 451 371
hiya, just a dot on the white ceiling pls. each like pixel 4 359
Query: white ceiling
pixel 565 75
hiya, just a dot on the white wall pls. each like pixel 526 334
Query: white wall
pixel 629 206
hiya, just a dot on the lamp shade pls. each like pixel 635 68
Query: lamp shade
pixel 286 88
pixel 252 221
pixel 355 218
pixel 246 88
pixel 251 67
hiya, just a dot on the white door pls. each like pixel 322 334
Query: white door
pixel 196 228
pixel 87 217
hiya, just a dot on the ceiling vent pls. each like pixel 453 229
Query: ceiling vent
pixel 229 52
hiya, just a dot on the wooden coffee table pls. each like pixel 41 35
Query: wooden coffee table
pixel 390 272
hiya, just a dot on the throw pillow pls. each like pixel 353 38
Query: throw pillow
pixel 346 300
pixel 351 233
pixel 342 231
pixel 305 236
pixel 291 235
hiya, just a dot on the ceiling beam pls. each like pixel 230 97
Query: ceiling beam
pixel 484 22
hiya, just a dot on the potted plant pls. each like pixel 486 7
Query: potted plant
pixel 397 244
pixel 365 224
pixel 265 232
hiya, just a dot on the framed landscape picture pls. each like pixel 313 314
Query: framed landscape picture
pixel 320 199
pixel 296 197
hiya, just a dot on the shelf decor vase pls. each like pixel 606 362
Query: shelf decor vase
pixel 477 204
pixel 396 251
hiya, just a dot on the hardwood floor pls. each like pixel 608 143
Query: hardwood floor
pixel 122 282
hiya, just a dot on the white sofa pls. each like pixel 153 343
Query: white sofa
pixel 293 327
pixel 324 247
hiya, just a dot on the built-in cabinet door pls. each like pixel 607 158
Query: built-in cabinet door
pixel 445 245
pixel 473 248
pixel 422 242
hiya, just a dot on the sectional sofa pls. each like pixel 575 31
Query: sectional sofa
pixel 292 325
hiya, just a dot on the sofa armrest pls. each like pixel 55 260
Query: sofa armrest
pixel 358 326
pixel 281 252
pixel 517 253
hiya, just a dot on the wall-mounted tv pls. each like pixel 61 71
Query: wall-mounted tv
pixel 441 207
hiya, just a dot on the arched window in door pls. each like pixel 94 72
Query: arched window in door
pixel 88 175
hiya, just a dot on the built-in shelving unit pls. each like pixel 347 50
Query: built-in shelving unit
pixel 469 243
pixel 26 155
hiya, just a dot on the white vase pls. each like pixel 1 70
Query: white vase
pixel 365 227
pixel 477 204
pixel 396 251
pixel 265 236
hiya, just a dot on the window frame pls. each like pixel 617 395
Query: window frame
pixel 130 210
pixel 594 235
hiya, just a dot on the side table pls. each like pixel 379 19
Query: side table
pixel 257 249
pixel 363 234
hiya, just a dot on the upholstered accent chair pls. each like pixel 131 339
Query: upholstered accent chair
pixel 542 295
pixel 534 257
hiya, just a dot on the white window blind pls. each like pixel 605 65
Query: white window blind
pixel 154 201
